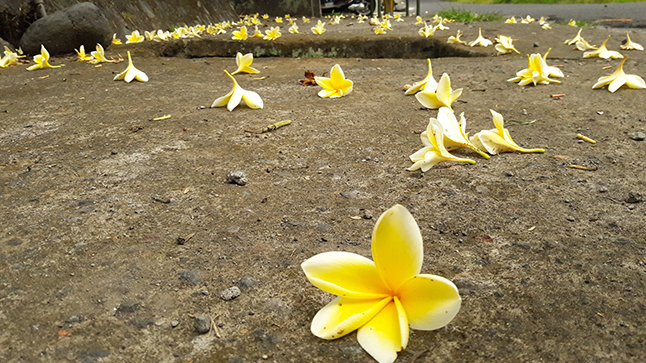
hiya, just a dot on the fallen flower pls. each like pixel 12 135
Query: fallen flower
pixel 115 40
pixel 257 33
pixel 335 86
pixel 618 78
pixel 233 98
pixel 42 60
pixel 527 20
pixel 552 71
pixel 150 36
pixel 99 56
pixel 240 34
pixel 161 36
pixel 583 45
pixel 442 96
pixel 272 34
pixel 381 299
pixel 244 64
pixel 537 72
pixel 577 38
pixel 135 37
pixel 434 150
pixel 319 28
pixel 294 29
pixel 546 26
pixel 10 58
pixel 455 135
pixel 498 140
pixel 379 30
pixel 456 39
pixel 427 84
pixel 505 45
pixel 630 45
pixel 426 31
pixel 81 53
pixel 306 20
pixel 572 22
pixel 419 20
pixel 511 20
pixel 483 42
pixel 131 73
pixel 603 52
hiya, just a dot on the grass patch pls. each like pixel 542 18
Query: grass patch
pixel 542 1
pixel 468 16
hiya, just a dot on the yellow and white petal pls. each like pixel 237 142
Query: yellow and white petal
pixel 338 80
pixel 235 98
pixel 342 316
pixel 252 99
pixel 397 246
pixel 430 301
pixel 635 81
pixel 429 99
pixel 222 101
pixel 345 274
pixel 385 334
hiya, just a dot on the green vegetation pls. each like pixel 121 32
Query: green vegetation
pixel 542 1
pixel 468 16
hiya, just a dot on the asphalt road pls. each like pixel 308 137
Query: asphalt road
pixel 629 14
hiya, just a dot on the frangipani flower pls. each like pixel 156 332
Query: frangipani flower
pixel 552 71
pixel 527 20
pixel 115 40
pixel 427 84
pixel 306 20
pixel 382 299
pixel 272 34
pixel 483 42
pixel 294 29
pixel 630 45
pixel 131 73
pixel 546 26
pixel 81 53
pixel 419 20
pixel 386 25
pixel 442 96
pixel 455 135
pixel 42 60
pixel 498 140
pixel 135 37
pixel 99 56
pixel 441 25
pixel 505 45
pixel 336 85
pixel 233 98
pixel 456 39
pixel 257 33
pixel 618 78
pixel 149 35
pixel 240 34
pixel 279 19
pixel 379 30
pixel 398 18
pixel 511 20
pixel 434 150
pixel 583 45
pixel 603 52
pixel 10 58
pixel 426 31
pixel 576 39
pixel 572 22
pixel 244 64
pixel 162 36
pixel 537 72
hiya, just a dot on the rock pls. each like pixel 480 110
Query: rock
pixel 633 197
pixel 190 276
pixel 4 43
pixel 61 32
pixel 638 136
pixel 202 323
pixel 248 281
pixel 129 306
pixel 354 194
pixel 367 214
pixel 237 177
pixel 230 293
pixel 174 323
pixel 14 242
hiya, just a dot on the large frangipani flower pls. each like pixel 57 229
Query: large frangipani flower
pixel 131 73
pixel 381 299
pixel 603 52
pixel 272 33
pixel 427 84
pixel 319 28
pixel 135 37
pixel 336 85
pixel 42 60
pixel 480 40
pixel 537 72
pixel 456 39
pixel 618 78
pixel 455 135
pixel 498 140
pixel 630 45
pixel 233 98
pixel 240 34
pixel 505 45
pixel 442 96
pixel 434 150
pixel 244 64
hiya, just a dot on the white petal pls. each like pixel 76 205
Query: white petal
pixel 430 301
pixel 252 99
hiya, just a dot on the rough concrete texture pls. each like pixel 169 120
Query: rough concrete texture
pixel 68 29
pixel 94 198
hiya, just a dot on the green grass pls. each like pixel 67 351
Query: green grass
pixel 468 16
pixel 542 1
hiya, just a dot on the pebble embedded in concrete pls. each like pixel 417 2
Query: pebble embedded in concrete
pixel 202 323
pixel 237 177
pixel 230 293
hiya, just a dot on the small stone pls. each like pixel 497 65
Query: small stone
pixel 230 293
pixel 367 214
pixel 265 356
pixel 354 194
pixel 174 323
pixel 633 197
pixel 509 173
pixel 129 306
pixel 237 177
pixel 638 136
pixel 75 319
pixel 602 189
pixel 202 323
pixel 161 199
pixel 536 45
pixel 80 244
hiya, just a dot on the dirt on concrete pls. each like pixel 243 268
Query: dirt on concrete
pixel 118 231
